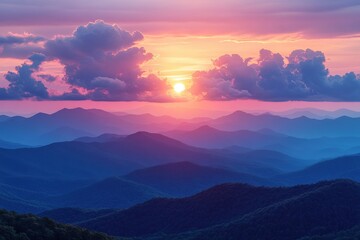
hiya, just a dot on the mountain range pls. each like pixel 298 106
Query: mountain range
pixel 240 176
pixel 68 124
pixel 316 148
pixel 119 172
pixel 238 211
pixel 342 167
pixel 299 127
pixel 317 113
pixel 95 160
pixel 169 180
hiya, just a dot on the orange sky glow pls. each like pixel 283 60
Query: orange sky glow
pixel 185 37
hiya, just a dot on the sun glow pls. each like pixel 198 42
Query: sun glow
pixel 179 87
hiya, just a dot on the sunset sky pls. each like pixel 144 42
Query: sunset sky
pixel 229 55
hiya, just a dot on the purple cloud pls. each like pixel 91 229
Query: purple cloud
pixel 303 77
pixel 20 46
pixel 19 39
pixel 102 59
pixel 90 40
pixel 101 62
pixel 22 83
pixel 47 77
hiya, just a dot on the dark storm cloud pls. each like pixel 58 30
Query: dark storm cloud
pixel 301 76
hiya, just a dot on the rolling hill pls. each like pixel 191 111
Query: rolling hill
pixel 330 208
pixel 74 215
pixel 48 186
pixel 78 160
pixel 10 145
pixel 300 127
pixel 235 211
pixel 185 178
pixel 209 137
pixel 42 128
pixel 106 137
pixel 316 148
pixel 169 180
pixel 30 227
pixel 14 199
pixel 109 193
pixel 342 167
pixel 318 113
pixel 3 118
pixel 68 124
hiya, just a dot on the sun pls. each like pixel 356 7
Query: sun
pixel 179 87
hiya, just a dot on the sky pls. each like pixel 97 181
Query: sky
pixel 230 54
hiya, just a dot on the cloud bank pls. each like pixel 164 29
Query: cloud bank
pixel 18 39
pixel 101 62
pixel 300 76
pixel 20 46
